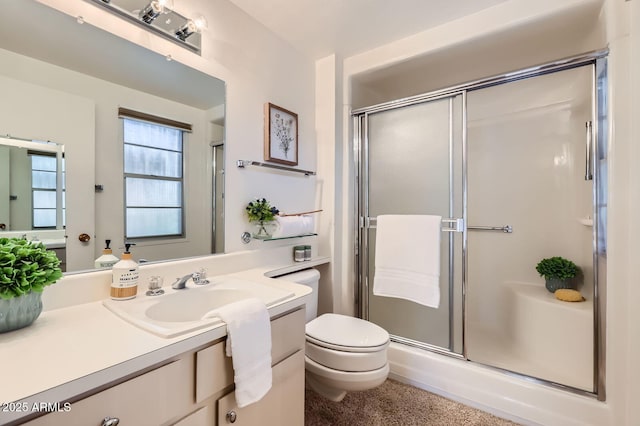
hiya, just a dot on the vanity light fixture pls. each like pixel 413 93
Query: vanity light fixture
pixel 180 29
pixel 195 25
pixel 155 9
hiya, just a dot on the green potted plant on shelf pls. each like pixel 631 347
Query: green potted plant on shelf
pixel 26 268
pixel 558 272
pixel 263 214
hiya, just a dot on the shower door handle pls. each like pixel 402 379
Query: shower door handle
pixel 588 169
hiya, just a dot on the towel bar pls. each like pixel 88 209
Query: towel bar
pixel 507 229
pixel 452 225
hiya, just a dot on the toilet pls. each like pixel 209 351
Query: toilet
pixel 342 353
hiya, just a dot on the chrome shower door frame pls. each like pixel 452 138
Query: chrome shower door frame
pixel 598 153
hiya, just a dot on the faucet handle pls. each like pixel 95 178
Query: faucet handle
pixel 155 286
pixel 200 277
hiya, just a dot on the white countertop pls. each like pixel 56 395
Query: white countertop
pixel 70 351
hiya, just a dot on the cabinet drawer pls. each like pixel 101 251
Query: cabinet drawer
pixel 150 399
pixel 282 405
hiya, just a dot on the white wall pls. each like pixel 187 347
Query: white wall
pixel 632 368
pixel 513 17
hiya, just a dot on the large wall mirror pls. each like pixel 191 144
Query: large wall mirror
pixel 99 110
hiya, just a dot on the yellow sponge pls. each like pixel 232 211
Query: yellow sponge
pixel 568 295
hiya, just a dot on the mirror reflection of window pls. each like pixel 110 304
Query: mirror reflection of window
pixel 154 180
pixel 43 190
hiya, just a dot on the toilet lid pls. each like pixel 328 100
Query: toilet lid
pixel 345 331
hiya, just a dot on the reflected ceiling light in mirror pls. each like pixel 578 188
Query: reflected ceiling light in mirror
pixel 155 9
pixel 181 30
pixel 195 25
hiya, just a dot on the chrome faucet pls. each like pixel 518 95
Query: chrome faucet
pixel 181 283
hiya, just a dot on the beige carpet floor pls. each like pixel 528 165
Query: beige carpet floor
pixel 393 404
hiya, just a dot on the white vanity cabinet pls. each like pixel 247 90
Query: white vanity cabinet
pixel 196 389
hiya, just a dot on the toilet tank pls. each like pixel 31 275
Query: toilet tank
pixel 311 278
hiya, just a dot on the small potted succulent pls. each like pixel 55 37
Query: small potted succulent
pixel 26 268
pixel 558 272
pixel 263 214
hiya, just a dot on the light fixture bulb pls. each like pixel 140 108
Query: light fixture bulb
pixel 194 25
pixel 200 22
pixel 154 9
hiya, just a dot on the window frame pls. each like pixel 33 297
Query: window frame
pixel 34 153
pixel 125 114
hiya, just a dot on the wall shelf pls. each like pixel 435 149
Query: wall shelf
pixel 246 237
pixel 243 163
pixel 286 238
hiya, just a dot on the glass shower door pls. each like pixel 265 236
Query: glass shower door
pixel 412 164
pixel 526 169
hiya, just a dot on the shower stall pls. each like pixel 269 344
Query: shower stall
pixel 516 165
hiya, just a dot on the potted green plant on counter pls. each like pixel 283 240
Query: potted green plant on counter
pixel 263 214
pixel 557 272
pixel 26 268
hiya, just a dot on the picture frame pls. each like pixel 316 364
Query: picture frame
pixel 280 135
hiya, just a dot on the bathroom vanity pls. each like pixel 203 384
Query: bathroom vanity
pixel 79 363
pixel 196 388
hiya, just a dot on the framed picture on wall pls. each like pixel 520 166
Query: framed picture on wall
pixel 280 135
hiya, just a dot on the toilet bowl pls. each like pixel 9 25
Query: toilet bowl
pixel 342 353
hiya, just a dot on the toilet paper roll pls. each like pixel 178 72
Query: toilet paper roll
pixel 291 226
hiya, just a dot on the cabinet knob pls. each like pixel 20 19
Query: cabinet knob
pixel 232 416
pixel 110 421
pixel 84 238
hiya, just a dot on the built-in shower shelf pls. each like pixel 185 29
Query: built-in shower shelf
pixel 586 221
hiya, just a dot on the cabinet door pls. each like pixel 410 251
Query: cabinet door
pixel 282 405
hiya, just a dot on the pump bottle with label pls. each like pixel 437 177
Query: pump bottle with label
pixel 125 277
pixel 107 260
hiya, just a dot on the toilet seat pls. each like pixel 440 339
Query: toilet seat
pixel 346 334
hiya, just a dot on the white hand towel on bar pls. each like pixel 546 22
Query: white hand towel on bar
pixel 249 345
pixel 408 258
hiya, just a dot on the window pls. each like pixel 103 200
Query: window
pixel 153 178
pixel 43 190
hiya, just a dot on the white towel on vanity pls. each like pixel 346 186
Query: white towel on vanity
pixel 249 345
pixel 407 258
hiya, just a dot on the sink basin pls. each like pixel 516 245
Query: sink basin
pixel 193 305
pixel 182 311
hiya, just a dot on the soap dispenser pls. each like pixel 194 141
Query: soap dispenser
pixel 125 277
pixel 107 260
